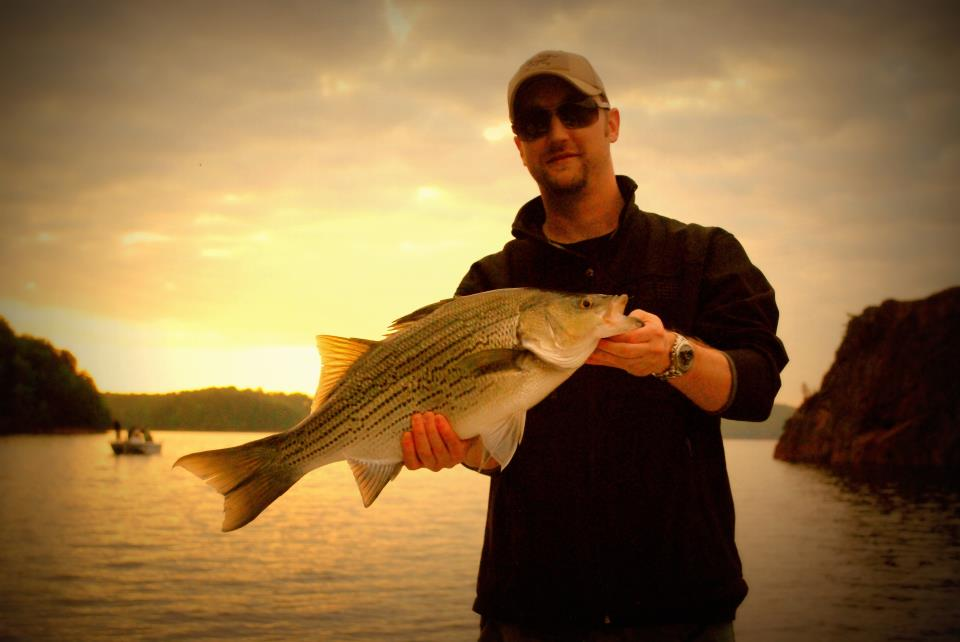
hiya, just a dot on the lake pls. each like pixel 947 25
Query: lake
pixel 99 547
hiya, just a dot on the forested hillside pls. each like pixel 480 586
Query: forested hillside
pixel 41 389
pixel 210 409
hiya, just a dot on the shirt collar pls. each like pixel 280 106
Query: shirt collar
pixel 530 218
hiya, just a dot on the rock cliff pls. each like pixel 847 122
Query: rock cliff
pixel 892 396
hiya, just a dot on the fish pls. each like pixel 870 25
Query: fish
pixel 481 360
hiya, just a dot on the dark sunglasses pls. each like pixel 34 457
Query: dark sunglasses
pixel 535 123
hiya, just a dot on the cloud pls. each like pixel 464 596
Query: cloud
pixel 426 193
pixel 498 132
pixel 219 160
pixel 398 22
pixel 137 238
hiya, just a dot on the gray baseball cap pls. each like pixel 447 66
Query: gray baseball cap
pixel 573 68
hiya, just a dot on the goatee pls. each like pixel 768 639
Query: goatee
pixel 563 189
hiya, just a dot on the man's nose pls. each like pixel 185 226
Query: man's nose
pixel 557 129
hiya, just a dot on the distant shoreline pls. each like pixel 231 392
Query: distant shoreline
pixel 63 430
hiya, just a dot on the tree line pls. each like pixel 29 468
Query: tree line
pixel 210 409
pixel 41 389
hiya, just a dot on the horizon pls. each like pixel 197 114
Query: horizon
pixel 194 192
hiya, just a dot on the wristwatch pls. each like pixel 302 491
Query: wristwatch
pixel 681 359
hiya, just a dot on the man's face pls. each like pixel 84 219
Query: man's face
pixel 564 161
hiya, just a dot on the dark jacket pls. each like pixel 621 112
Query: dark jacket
pixel 617 504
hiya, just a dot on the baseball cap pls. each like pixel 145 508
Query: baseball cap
pixel 573 68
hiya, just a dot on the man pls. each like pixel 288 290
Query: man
pixel 615 520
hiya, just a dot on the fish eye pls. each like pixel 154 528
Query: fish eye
pixel 586 303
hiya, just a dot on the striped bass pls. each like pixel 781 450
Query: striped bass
pixel 480 360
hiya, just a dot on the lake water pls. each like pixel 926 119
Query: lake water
pixel 98 547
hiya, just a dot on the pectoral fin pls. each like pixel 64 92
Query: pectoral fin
pixel 491 361
pixel 372 476
pixel 502 441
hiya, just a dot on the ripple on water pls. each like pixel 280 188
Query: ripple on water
pixel 97 547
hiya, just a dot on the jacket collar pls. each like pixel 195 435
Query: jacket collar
pixel 529 221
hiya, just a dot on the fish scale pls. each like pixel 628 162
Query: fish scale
pixel 479 360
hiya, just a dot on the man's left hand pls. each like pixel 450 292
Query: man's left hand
pixel 640 352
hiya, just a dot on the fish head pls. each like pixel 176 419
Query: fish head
pixel 563 329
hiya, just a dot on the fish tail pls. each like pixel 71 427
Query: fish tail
pixel 249 477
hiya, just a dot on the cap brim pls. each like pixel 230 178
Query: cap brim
pixel 583 87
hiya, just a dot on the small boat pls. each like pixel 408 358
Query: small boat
pixel 135 447
pixel 139 442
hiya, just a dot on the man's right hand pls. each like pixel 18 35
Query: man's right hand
pixel 431 443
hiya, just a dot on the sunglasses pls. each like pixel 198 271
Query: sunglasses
pixel 534 123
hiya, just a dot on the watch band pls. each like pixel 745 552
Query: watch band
pixel 681 359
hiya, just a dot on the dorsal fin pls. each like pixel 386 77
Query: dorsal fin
pixel 337 354
pixel 409 319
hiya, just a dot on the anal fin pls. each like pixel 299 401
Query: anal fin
pixel 372 476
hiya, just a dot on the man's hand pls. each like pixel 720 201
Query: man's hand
pixel 431 443
pixel 646 350
pixel 640 352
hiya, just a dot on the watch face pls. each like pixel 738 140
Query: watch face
pixel 685 357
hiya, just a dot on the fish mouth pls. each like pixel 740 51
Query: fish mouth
pixel 616 307
pixel 614 315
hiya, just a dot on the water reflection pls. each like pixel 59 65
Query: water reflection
pixel 95 546
pixel 99 547
pixel 851 555
pixel 906 489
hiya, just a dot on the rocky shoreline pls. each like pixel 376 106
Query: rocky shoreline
pixel 892 396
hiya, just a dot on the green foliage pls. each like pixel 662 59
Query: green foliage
pixel 210 409
pixel 41 389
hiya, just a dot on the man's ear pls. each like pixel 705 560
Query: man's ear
pixel 613 124
pixel 516 141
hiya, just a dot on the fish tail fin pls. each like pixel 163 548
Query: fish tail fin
pixel 249 477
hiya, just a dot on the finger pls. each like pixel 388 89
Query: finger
pixel 599 359
pixel 638 364
pixel 422 444
pixel 643 315
pixel 437 445
pixel 456 447
pixel 410 459
pixel 631 336
pixel 652 330
pixel 477 455
pixel 649 319
pixel 623 350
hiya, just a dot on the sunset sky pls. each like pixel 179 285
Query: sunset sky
pixel 191 191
